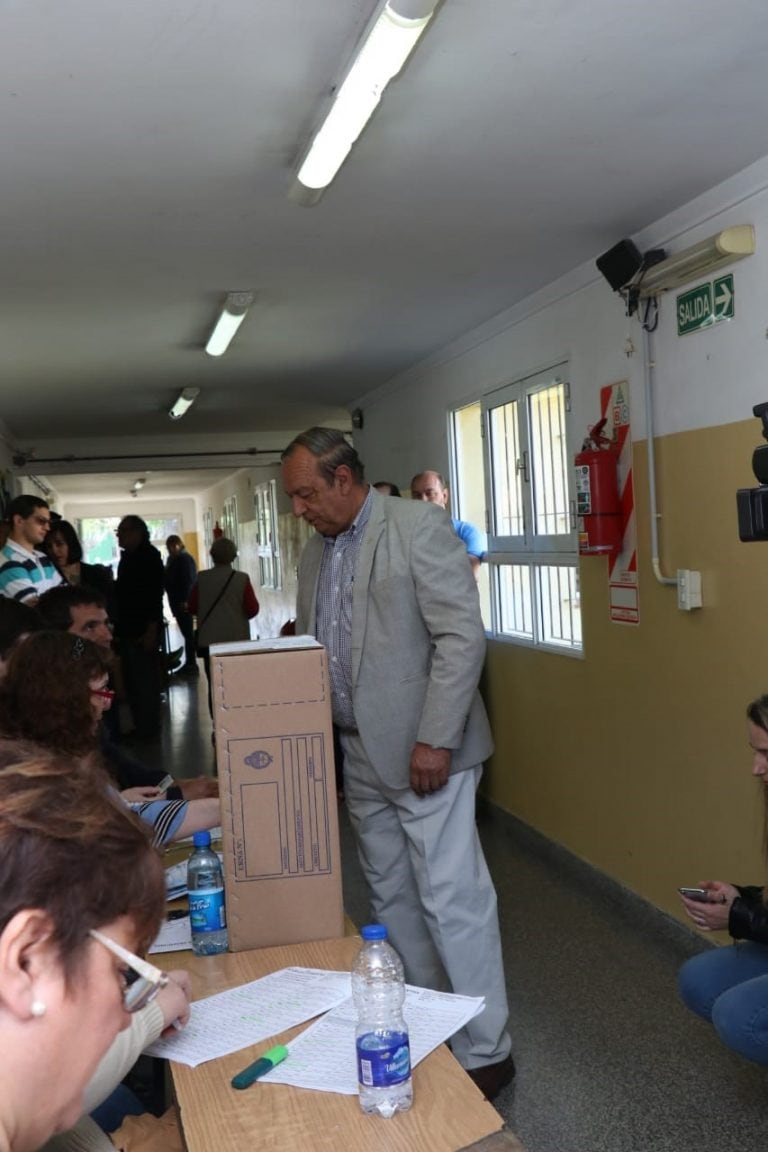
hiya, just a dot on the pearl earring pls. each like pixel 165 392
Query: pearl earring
pixel 38 1008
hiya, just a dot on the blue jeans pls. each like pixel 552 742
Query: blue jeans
pixel 122 1102
pixel 729 986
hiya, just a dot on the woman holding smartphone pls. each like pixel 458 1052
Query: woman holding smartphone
pixel 729 986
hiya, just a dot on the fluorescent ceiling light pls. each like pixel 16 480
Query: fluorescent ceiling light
pixel 183 403
pixel 382 54
pixel 232 316
pixel 723 248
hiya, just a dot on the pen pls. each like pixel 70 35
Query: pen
pixel 259 1067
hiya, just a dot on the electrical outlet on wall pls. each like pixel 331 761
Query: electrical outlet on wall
pixel 688 589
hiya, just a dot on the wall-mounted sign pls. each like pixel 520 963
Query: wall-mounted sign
pixel 705 305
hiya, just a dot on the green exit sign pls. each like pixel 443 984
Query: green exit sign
pixel 705 305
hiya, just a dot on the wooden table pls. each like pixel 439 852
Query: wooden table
pixel 449 1112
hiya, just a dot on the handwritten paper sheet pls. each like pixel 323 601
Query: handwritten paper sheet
pixel 323 1056
pixel 174 936
pixel 243 1016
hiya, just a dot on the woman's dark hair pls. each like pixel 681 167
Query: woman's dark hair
pixel 45 696
pixel 757 713
pixel 73 851
pixel 64 529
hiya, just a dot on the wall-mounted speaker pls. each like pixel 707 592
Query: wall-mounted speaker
pixel 620 263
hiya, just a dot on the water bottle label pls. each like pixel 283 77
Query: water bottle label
pixel 206 911
pixel 383 1059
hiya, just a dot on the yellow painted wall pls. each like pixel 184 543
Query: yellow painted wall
pixel 192 544
pixel 635 757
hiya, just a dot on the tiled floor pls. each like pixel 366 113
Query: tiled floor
pixel 608 1059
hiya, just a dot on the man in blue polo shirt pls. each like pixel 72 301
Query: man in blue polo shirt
pixel 431 487
pixel 25 571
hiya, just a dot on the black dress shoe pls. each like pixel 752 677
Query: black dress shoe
pixel 491 1078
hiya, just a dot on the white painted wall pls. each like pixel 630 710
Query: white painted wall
pixel 176 506
pixel 702 380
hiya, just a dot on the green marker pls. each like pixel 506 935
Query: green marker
pixel 260 1067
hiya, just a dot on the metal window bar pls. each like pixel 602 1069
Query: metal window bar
pixel 549 464
pixel 507 470
pixel 559 606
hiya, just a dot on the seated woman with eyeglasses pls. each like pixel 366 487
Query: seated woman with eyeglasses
pixel 81 890
pixel 54 693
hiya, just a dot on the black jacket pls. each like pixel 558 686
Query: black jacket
pixel 748 917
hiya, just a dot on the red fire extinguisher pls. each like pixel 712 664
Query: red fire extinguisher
pixel 598 503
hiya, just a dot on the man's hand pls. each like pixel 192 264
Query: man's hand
pixel 429 769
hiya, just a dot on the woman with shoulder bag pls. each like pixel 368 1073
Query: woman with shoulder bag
pixel 224 602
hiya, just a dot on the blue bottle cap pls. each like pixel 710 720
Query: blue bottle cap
pixel 374 932
pixel 201 839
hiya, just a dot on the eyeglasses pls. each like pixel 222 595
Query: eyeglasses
pixel 104 693
pixel 142 980
pixel 43 521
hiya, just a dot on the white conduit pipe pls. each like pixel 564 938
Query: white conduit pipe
pixel 648 367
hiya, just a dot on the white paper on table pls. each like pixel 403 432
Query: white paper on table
pixel 174 936
pixel 323 1056
pixel 243 1016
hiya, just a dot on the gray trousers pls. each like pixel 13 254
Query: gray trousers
pixel 431 887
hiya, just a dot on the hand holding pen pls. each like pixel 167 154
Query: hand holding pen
pixel 174 1001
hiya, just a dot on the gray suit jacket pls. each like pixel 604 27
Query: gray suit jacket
pixel 418 643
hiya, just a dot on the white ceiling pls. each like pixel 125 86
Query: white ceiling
pixel 146 150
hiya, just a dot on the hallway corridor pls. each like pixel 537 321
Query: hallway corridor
pixel 608 1059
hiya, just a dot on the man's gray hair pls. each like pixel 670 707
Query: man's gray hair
pixel 331 449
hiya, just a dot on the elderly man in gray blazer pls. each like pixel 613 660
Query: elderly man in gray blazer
pixel 386 586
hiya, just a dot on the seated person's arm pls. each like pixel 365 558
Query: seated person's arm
pixel 200 815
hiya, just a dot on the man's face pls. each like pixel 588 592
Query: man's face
pixel 329 508
pixel 92 623
pixel 128 537
pixel 427 487
pixel 31 531
pixel 173 547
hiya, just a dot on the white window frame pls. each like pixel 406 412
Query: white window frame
pixel 230 523
pixel 527 583
pixel 265 513
pixel 207 529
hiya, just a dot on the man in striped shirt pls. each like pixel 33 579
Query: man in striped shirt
pixel 25 571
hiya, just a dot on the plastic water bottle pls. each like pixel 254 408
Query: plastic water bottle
pixel 383 1051
pixel 207 914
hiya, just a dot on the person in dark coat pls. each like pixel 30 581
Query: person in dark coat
pixel 180 577
pixel 139 623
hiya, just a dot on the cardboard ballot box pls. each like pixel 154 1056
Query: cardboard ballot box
pixel 279 820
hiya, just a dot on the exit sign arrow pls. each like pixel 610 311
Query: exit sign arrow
pixel 723 298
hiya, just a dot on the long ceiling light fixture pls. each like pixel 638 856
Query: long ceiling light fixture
pixel 382 53
pixel 232 315
pixel 183 403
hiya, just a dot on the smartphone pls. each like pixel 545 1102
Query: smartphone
pixel 700 894
pixel 165 783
